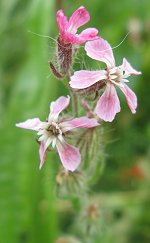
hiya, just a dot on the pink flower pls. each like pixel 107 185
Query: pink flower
pixel 55 129
pixel 108 104
pixel 69 28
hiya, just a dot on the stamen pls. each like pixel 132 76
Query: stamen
pixel 115 75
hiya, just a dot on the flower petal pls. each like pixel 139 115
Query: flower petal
pixel 79 122
pixel 108 104
pixel 42 154
pixel 42 150
pixel 33 124
pixel 58 106
pixel 130 97
pixel 100 50
pixel 87 35
pixel 78 18
pixel 69 155
pixel 83 79
pixel 128 68
pixel 70 38
pixel 61 21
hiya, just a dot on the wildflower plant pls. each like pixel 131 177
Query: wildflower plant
pixel 77 137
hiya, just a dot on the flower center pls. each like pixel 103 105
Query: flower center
pixel 115 74
pixel 53 129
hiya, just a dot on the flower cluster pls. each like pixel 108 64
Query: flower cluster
pixel 57 129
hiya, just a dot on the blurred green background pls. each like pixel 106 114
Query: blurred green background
pixel 28 210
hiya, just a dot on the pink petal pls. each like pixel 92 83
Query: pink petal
pixel 108 104
pixel 78 18
pixel 74 39
pixel 61 21
pixel 42 152
pixel 87 35
pixel 70 38
pixel 130 97
pixel 58 106
pixel 33 124
pixel 80 122
pixel 100 50
pixel 69 155
pixel 128 68
pixel 83 79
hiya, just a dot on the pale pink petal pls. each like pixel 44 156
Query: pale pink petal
pixel 78 18
pixel 83 79
pixel 58 106
pixel 87 35
pixel 61 21
pixel 33 124
pixel 100 50
pixel 108 104
pixel 79 122
pixel 130 97
pixel 128 68
pixel 69 155
pixel 42 152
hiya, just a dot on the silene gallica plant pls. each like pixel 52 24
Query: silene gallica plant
pixel 77 135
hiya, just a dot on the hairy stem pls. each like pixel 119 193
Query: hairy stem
pixel 59 4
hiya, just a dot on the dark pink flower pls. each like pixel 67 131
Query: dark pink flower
pixel 108 104
pixel 69 28
pixel 54 130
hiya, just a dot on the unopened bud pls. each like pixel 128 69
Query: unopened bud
pixel 134 27
pixel 62 177
pixel 67 239
pixel 55 71
pixel 93 211
pixel 68 182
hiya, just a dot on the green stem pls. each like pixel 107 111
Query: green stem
pixel 74 103
pixel 74 98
